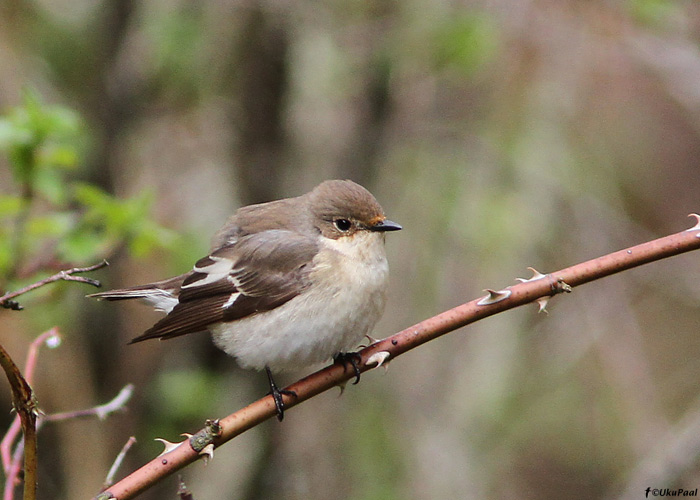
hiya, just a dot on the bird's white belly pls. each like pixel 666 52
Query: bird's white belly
pixel 343 305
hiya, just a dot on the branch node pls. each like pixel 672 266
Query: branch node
pixel 493 297
pixel 558 285
pixel 202 442
pixel 105 495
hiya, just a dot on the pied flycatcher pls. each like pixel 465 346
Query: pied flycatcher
pixel 288 283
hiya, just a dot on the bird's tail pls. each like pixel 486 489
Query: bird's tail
pixel 162 295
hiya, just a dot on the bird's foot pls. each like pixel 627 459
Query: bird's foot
pixel 349 358
pixel 277 394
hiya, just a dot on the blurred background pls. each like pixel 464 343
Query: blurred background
pixel 500 134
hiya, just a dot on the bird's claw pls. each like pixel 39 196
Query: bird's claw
pixel 350 358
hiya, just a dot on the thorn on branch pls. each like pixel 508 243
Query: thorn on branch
pixel 494 296
pixel 542 304
pixel 168 445
pixel 378 358
pixel 207 453
pixel 536 275
pixel 696 227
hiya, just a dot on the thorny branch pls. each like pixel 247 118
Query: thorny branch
pixel 51 338
pixel 23 395
pixel 540 286
pixel 13 468
pixel 30 419
pixel 7 301
pixel 24 402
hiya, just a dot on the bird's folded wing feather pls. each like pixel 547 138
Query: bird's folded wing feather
pixel 258 272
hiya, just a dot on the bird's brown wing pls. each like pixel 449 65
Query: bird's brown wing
pixel 259 272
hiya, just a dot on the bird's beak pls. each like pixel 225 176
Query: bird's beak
pixel 385 225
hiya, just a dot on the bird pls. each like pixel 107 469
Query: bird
pixel 287 283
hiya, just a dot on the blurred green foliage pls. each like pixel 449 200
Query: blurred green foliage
pixel 49 219
pixel 177 40
pixel 654 12
pixel 465 43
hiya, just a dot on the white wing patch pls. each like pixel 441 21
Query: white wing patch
pixel 220 269
pixel 230 300
pixel 161 300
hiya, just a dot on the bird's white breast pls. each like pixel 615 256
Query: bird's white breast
pixel 342 305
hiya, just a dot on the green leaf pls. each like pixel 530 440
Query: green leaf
pixel 39 137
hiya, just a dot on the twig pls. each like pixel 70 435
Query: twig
pixel 528 291
pixel 11 465
pixel 182 492
pixel 11 460
pixel 13 468
pixel 101 411
pixel 6 445
pixel 12 477
pixel 7 301
pixel 51 337
pixel 118 462
pixel 666 462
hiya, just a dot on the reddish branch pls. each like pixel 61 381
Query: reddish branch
pixel 23 398
pixel 25 404
pixel 538 287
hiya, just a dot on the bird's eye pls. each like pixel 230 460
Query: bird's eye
pixel 342 225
